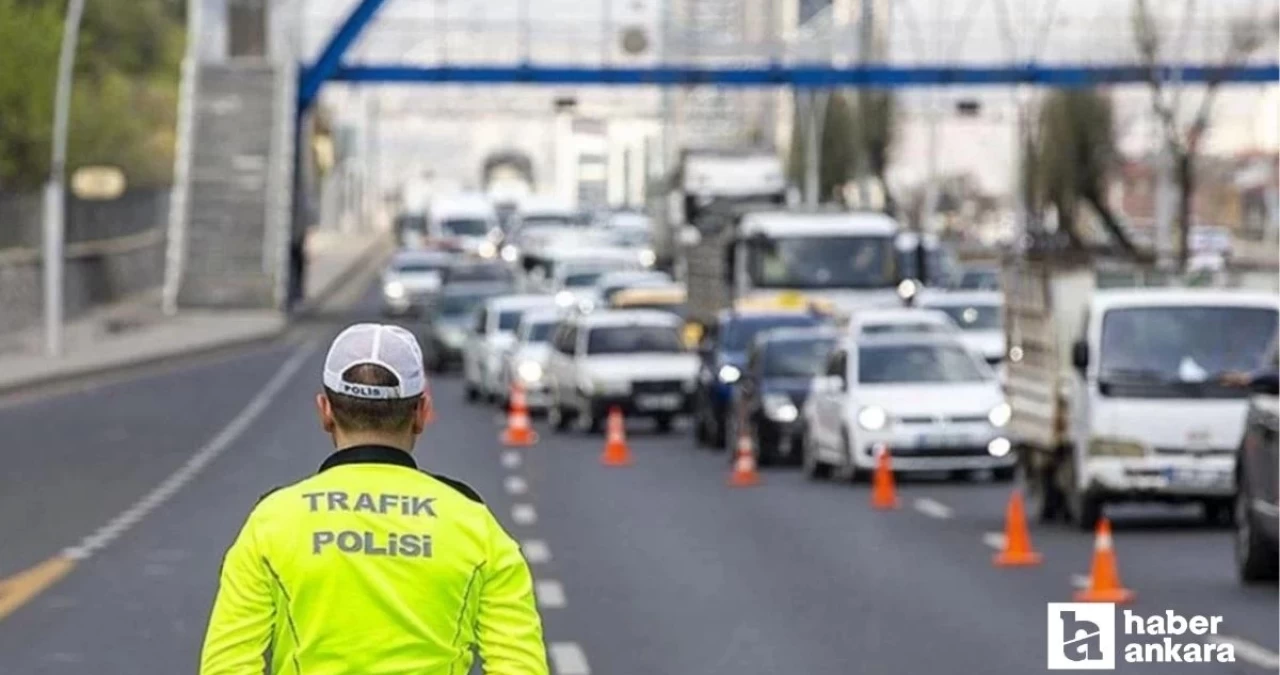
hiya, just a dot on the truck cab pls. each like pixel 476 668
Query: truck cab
pixel 1121 395
pixel 848 259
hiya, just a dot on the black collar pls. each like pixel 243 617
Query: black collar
pixel 370 454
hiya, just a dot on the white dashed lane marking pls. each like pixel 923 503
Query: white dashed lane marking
pixel 1080 581
pixel 994 540
pixel 568 659
pixel 933 509
pixel 197 462
pixel 511 459
pixel 515 485
pixel 536 551
pixel 524 514
pixel 1250 652
pixel 550 593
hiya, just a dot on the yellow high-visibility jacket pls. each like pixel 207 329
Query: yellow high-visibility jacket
pixel 373 567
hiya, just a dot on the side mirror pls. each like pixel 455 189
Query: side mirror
pixel 690 236
pixel 1266 382
pixel 1080 355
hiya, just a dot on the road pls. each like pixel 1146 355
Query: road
pixel 131 489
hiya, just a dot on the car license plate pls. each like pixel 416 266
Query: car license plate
pixel 658 402
pixel 939 440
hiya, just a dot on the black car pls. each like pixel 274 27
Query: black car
pixel 449 318
pixel 780 365
pixel 1257 469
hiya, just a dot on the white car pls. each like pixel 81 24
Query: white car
pixel 574 275
pixel 632 359
pixel 872 322
pixel 410 279
pixel 528 358
pixel 926 398
pixel 492 332
pixel 465 222
pixel 980 317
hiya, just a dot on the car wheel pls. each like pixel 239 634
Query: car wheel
pixel 1255 556
pixel 663 423
pixel 814 468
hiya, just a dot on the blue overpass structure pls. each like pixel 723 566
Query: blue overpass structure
pixel 329 67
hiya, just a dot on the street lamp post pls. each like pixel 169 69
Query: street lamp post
pixel 54 216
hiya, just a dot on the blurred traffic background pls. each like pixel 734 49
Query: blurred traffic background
pixel 998 250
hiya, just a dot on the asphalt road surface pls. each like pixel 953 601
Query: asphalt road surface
pixel 118 499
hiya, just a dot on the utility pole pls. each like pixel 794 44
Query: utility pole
pixel 55 189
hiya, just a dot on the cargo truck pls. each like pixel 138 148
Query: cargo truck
pixel 1119 390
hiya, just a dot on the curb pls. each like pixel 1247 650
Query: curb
pixel 267 335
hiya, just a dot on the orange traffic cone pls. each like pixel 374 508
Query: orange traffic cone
pixel 519 431
pixel 616 452
pixel 744 463
pixel 1017 538
pixel 884 495
pixel 1104 577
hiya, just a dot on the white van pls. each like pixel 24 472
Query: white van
pixel 465 222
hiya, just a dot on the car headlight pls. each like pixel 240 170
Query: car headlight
pixel 648 257
pixel 729 374
pixel 872 418
pixel 487 249
pixel 564 299
pixel 510 253
pixel 779 408
pixel 394 290
pixel 530 371
pixel 1000 415
pixel 999 447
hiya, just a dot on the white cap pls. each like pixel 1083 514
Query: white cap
pixel 391 347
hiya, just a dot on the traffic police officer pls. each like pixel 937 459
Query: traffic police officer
pixel 372 565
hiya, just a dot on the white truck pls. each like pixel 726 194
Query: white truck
pixel 1118 392
pixel 846 259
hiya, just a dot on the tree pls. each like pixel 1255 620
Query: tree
pixel 124 96
pixel 877 129
pixel 839 145
pixel 1182 140
pixel 1074 157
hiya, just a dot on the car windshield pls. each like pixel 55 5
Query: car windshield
pixel 478 273
pixel 979 280
pixel 940 265
pixel 407 223
pixel 1180 352
pixel 974 317
pixel 545 220
pixel 460 305
pixel 466 227
pixel 582 279
pixel 742 330
pixel 796 358
pixel 913 327
pixel 823 262
pixel 628 237
pixel 914 364
pixel 417 267
pixel 634 339
pixel 539 332
pixel 509 320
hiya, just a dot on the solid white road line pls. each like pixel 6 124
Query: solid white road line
pixel 536 551
pixel 515 485
pixel 1248 651
pixel 567 659
pixel 933 509
pixel 994 540
pixel 196 462
pixel 524 514
pixel 511 459
pixel 550 593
